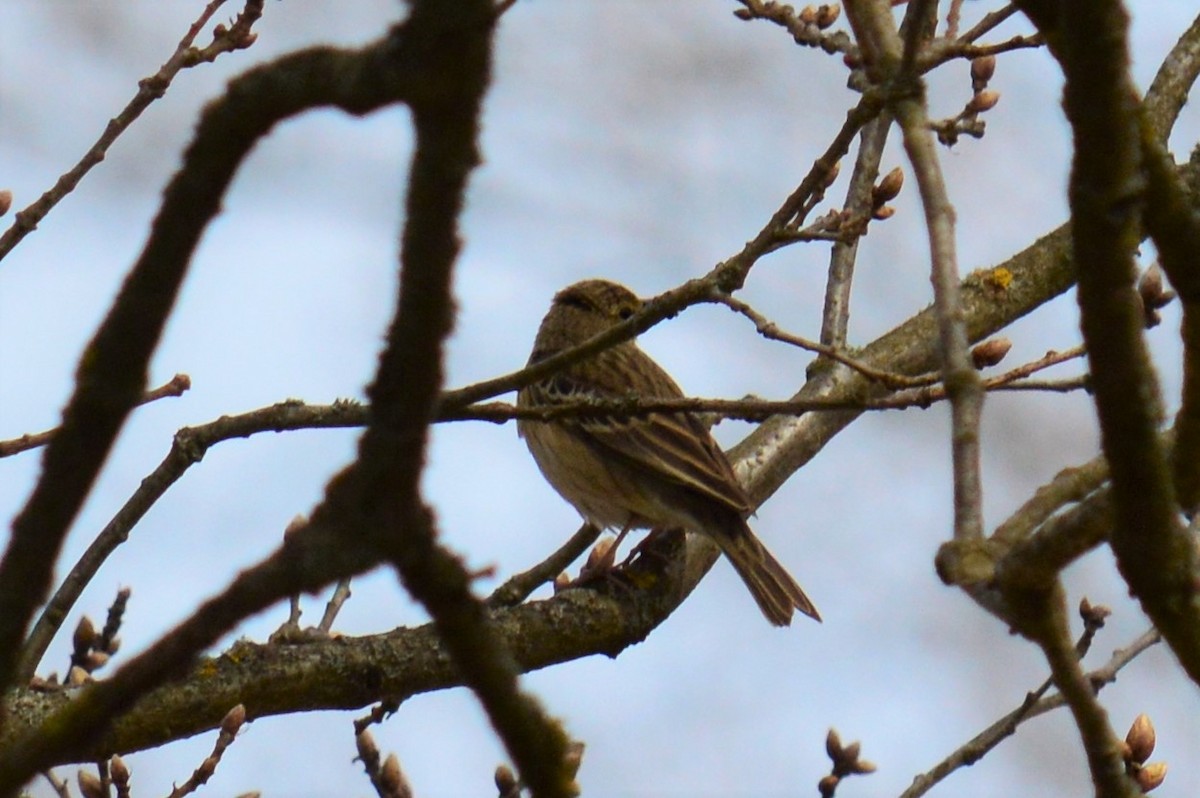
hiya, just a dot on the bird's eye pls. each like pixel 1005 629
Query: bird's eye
pixel 625 313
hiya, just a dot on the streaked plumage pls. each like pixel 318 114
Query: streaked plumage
pixel 661 470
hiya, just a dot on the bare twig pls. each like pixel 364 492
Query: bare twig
pixel 953 16
pixel 176 386
pixel 881 45
pixel 769 330
pixel 188 448
pixel 378 714
pixel 61 787
pixel 835 314
pixel 1034 705
pixel 1047 627
pixel 1051 358
pixel 751 409
pixel 397 68
pixel 811 32
pixel 989 23
pixel 385 774
pixel 1173 82
pixel 962 381
pixel 1014 380
pixel 229 728
pixel 1071 485
pixel 919 27
pixel 1068 385
pixel 341 593
pixel 236 37
pixel 1155 554
pixel 519 586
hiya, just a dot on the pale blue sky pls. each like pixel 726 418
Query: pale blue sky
pixel 639 141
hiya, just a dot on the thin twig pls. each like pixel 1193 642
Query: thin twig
pixel 340 594
pixel 737 409
pixel 989 23
pixel 176 386
pixel 1068 385
pixel 1046 616
pixel 963 384
pixel 229 729
pixel 940 51
pixel 187 449
pixel 378 714
pixel 754 409
pixel 953 16
pixel 518 587
pixel 803 32
pixel 1071 485
pixel 61 787
pixel 835 314
pixel 385 774
pixel 769 330
pixel 1034 705
pixel 962 381
pixel 920 25
pixel 237 37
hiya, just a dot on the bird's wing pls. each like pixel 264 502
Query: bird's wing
pixel 675 447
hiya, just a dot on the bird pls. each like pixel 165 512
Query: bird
pixel 655 471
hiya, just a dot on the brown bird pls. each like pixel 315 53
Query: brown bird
pixel 663 470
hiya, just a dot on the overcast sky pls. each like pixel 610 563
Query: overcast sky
pixel 639 141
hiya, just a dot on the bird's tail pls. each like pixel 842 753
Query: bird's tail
pixel 773 588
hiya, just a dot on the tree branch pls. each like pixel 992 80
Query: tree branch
pixel 236 37
pixel 176 386
pixel 112 376
pixel 1108 182
pixel 978 746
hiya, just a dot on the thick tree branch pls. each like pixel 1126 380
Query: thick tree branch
pixel 399 67
pixel 112 373
pixel 349 673
pixel 405 394
pixel 994 297
pixel 1108 183
pixel 189 447
pixel 1171 222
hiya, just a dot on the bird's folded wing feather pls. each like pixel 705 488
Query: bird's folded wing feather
pixel 675 447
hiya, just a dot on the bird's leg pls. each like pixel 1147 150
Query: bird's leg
pixel 646 546
pixel 601 561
